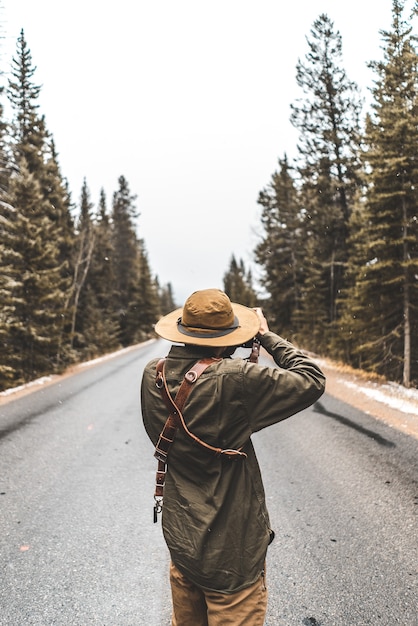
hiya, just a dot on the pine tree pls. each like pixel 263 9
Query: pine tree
pixel 97 328
pixel 28 128
pixel 4 157
pixel 328 120
pixel 35 282
pixel 12 225
pixel 101 327
pixel 384 264
pixel 145 310
pixel 41 208
pixel 32 142
pixel 125 261
pixel 102 273
pixel 58 203
pixel 58 206
pixel 281 252
pixel 238 284
pixel 84 247
pixel 9 253
pixel 166 297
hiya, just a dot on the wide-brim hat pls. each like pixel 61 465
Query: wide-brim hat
pixel 209 318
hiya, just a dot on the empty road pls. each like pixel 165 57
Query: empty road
pixel 78 545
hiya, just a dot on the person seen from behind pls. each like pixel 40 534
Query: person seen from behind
pixel 214 516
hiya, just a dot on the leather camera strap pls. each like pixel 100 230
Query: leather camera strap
pixel 175 420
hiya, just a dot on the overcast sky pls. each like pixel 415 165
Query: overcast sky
pixel 189 100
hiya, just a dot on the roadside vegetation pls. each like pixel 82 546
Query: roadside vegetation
pixel 338 248
pixel 338 253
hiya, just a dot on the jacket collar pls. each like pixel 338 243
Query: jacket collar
pixel 189 352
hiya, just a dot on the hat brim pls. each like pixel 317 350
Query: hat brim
pixel 248 327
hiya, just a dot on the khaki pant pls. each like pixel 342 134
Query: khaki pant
pixel 193 606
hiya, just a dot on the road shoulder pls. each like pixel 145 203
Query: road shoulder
pixel 393 404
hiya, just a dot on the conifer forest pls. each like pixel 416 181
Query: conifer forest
pixel 337 254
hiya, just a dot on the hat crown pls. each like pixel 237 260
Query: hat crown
pixel 209 318
pixel 208 308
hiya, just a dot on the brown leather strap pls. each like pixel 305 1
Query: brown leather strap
pixel 175 406
pixel 167 435
pixel 190 377
pixel 176 420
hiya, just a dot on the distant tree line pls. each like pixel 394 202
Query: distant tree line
pixel 338 250
pixel 338 245
pixel 75 281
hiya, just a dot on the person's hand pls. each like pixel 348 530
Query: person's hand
pixel 264 327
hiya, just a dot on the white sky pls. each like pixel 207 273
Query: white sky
pixel 189 100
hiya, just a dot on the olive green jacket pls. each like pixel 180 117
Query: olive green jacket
pixel 215 521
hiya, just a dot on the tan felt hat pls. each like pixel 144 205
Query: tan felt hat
pixel 209 318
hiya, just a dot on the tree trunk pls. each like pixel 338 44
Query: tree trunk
pixel 406 305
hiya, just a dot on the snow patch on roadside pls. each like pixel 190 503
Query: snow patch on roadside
pixel 33 383
pixel 394 396
pixel 47 379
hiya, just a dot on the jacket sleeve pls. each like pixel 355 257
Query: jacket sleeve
pixel 273 394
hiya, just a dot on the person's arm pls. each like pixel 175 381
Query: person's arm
pixel 275 393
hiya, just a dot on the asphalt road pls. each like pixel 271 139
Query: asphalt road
pixel 78 545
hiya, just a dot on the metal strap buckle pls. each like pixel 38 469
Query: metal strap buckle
pixel 191 376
